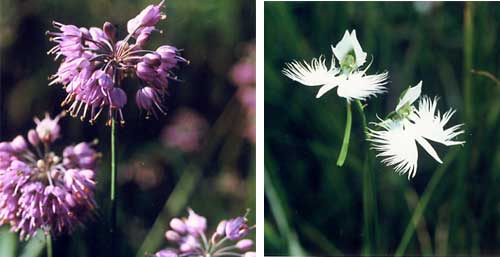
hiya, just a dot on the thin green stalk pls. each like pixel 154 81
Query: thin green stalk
pixel 347 135
pixel 422 204
pixel 370 206
pixel 113 184
pixel 468 55
pixel 49 245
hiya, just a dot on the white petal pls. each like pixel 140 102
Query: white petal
pixel 314 74
pixel 360 55
pixel 325 89
pixel 411 95
pixel 349 42
pixel 360 86
pixel 343 47
pixel 428 148
pixel 430 124
pixel 397 146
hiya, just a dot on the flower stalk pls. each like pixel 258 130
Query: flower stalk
pixel 113 182
pixel 347 135
pixel 48 238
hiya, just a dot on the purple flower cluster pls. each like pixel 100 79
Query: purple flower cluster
pixel 186 132
pixel 94 62
pixel 243 76
pixel 41 190
pixel 189 234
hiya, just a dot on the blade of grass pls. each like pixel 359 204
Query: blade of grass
pixel 424 201
pixel 278 211
pixel 468 56
pixel 35 246
pixel 8 242
pixel 319 239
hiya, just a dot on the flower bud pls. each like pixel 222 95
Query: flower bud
pixel 109 29
pixel 105 81
pixel 244 244
pixel 118 98
pixel 178 225
pixel 19 144
pixel 33 137
pixel 221 228
pixel 195 223
pixel 166 253
pixel 6 147
pixel 237 228
pixel 250 254
pixel 172 236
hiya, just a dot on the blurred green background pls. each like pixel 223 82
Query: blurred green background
pixel 313 207
pixel 157 181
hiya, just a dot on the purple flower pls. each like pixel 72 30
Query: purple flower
pixel 189 235
pixel 250 254
pixel 166 253
pixel 244 244
pixel 148 17
pixel 38 191
pixel 93 64
pixel 48 130
pixel 195 223
pixel 186 131
pixel 19 144
pixel 237 228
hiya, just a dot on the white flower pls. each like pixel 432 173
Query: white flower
pixel 352 82
pixel 397 140
pixel 349 44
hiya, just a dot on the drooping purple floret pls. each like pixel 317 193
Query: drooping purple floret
pixel 94 63
pixel 38 191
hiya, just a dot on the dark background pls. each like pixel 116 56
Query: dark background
pixel 217 181
pixel 314 207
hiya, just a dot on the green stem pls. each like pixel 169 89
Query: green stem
pixel 422 204
pixel 347 135
pixel 113 184
pixel 49 244
pixel 370 207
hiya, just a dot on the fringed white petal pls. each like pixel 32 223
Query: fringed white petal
pixel 397 147
pixel 314 74
pixel 430 124
pixel 360 86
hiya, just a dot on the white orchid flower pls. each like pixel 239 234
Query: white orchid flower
pixel 352 82
pixel 348 48
pixel 397 140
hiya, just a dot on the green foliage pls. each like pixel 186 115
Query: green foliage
pixel 457 202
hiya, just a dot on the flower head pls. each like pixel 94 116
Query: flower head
pixel 352 82
pixel 38 190
pixel 190 236
pixel 349 52
pixel 186 131
pixel 93 63
pixel 396 137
